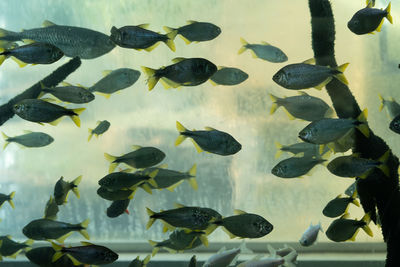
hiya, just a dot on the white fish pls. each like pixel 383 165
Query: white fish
pixel 222 259
pixel 287 261
pixel 310 235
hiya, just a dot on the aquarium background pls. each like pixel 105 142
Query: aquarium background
pixel 139 117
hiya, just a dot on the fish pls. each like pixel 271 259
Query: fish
pixel 271 261
pixel 282 252
pixel 307 149
pixel 179 241
pixel 368 19
pixel 228 76
pixel 296 166
pixel 122 180
pixel 114 81
pixel 170 179
pixel 37 110
pixel 372 2
pixel 395 124
pixel 8 198
pixel 87 254
pixel 51 209
pixel 10 248
pixel 139 37
pixel 328 130
pixel 45 229
pixel 118 207
pixel 245 225
pixel 102 127
pixel 392 107
pixel 354 166
pixel 340 205
pixel 73 41
pixel 264 51
pixel 140 157
pixel 69 93
pixel 310 235
pixel 344 229
pixel 139 263
pixel 222 258
pixel 210 140
pixel 35 53
pixel 115 195
pixel 306 75
pixel 62 189
pixel 192 218
pixel 351 189
pixel 196 31
pixel 43 256
pixel 184 72
pixel 303 106
pixel 29 139
pixel 193 261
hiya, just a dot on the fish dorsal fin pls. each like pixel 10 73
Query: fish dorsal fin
pixel 302 93
pixel 239 212
pixel 221 67
pixel 309 61
pixel 178 205
pixel 27 131
pixel 209 128
pixel 66 84
pixel 143 26
pixel 48 23
pixel 178 59
pixel 345 216
pixel 135 147
pixel 265 43
pixel 85 243
pixel 106 72
pixel 369 5
pixel 82 86
pixel 191 21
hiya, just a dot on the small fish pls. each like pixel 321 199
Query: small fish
pixel 9 198
pixel 51 209
pixel 138 37
pixel 138 263
pixel 140 157
pixel 392 107
pixel 310 235
pixel 344 229
pixel 10 248
pixel 328 130
pixel 210 140
pixel 303 107
pixel 307 148
pixel 228 76
pixel 43 229
pixel 368 20
pixel 73 41
pixel 115 80
pixel 296 166
pixel 37 110
pixel 193 261
pixel 223 258
pixel 245 225
pixel 351 189
pixel 185 72
pixel 118 207
pixel 338 206
pixel 395 124
pixel 115 195
pixel 264 51
pixel 69 93
pixel 102 127
pixel 305 75
pixel 62 189
pixel 43 257
pixel 29 139
pixel 122 180
pixel 282 252
pixel 192 218
pixel 354 166
pixel 35 53
pixel 196 31
pixel 86 254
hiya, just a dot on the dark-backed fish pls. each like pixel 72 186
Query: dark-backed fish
pixel 69 93
pixel 102 127
pixel 196 31
pixel 368 20
pixel 118 207
pixel 29 139
pixel 62 189
pixel 228 76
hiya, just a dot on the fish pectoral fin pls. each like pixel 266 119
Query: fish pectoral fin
pixel 103 94
pixel 171 83
pixel 187 41
pixel 379 28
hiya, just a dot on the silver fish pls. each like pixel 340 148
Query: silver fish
pixel 69 93
pixel 29 139
pixel 296 166
pixel 264 51
pixel 310 235
pixel 228 76
pixel 392 107
pixel 196 31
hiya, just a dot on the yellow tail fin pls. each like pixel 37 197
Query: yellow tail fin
pixel 181 129
pixel 151 220
pixel 275 105
pixel 58 253
pixel 193 170
pixel 341 76
pixel 367 219
pixel 151 78
pixel 170 42
pixel 90 134
pixel 11 198
pixel 382 102
pixel 155 249
pixel 363 128
pixel 5 138
pixel 244 46
pixel 279 151
pixel 75 118
pixel 389 16
pixel 2 58
pixel 83 232
pixel 75 183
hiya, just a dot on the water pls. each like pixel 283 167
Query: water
pixel 139 117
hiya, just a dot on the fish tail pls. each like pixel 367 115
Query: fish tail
pixel 181 129
pixel 275 105
pixel 20 63
pixel 6 139
pixel 289 259
pixel 146 260
pixel 152 79
pixel 83 231
pixel 58 253
pixel 152 219
pixel 271 250
pixel 75 117
pixel 362 123
pixel 111 159
pixel 90 134
pixel 192 181
pixel 155 249
pixel 75 184
pixel 340 76
pixel 169 29
pixel 3 55
pixel 382 102
pixel 367 219
pixel 279 147
pixel 388 16
pixel 8 36
pixel 29 242
pixel 10 198
pixel 244 46
pixel 170 41
pixel 146 188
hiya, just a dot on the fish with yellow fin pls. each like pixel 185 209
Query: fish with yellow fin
pixel 102 127
pixel 344 229
pixel 340 205
pixel 10 248
pixel 196 31
pixel 62 189
pixel 139 263
pixel 264 51
pixel 368 19
pixel 8 198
